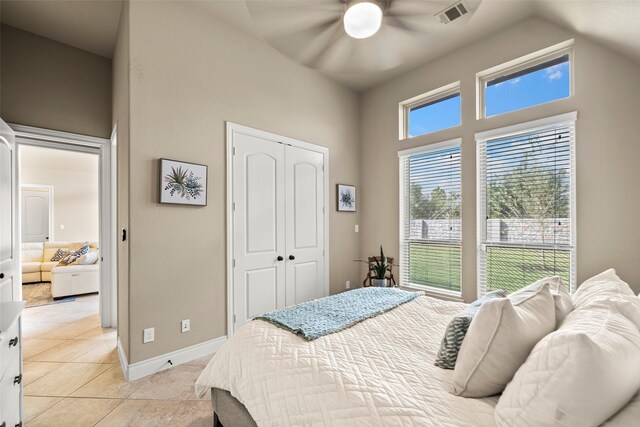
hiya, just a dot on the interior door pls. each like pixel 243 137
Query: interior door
pixel 8 253
pixel 35 214
pixel 304 195
pixel 258 232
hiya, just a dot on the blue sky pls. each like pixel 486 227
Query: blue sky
pixel 434 117
pixel 521 92
pixel 525 91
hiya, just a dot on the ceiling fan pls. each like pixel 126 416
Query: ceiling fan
pixel 348 36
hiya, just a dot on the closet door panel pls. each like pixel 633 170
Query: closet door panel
pixel 259 227
pixel 304 189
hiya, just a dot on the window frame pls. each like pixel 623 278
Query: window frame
pixel 568 120
pixel 404 200
pixel 431 97
pixel 520 64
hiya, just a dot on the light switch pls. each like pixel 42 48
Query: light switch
pixel 61 226
pixel 148 335
pixel 357 228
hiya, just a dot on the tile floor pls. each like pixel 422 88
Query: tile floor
pixel 72 376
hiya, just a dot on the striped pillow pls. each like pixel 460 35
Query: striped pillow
pixel 457 329
pixel 74 255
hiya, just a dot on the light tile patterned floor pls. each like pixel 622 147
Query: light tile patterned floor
pixel 72 376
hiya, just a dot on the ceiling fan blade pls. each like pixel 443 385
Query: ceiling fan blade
pixel 416 8
pixel 334 35
pixel 285 18
pixel 396 22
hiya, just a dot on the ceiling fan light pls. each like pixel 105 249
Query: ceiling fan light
pixel 362 20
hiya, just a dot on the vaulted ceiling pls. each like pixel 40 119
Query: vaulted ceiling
pixel 87 25
pixel 310 32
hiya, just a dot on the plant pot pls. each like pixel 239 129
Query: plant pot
pixel 379 283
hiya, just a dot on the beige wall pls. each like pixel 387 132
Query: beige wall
pixel 121 72
pixel 607 98
pixel 51 85
pixel 74 177
pixel 187 79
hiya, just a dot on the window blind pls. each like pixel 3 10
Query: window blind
pixel 526 207
pixel 430 234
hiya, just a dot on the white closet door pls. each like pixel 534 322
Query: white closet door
pixel 304 183
pixel 8 255
pixel 259 223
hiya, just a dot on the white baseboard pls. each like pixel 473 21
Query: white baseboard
pixel 123 360
pixel 160 363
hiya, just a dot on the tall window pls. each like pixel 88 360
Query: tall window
pixel 430 235
pixel 526 204
pixel 431 112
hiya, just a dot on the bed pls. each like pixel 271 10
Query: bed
pixel 377 372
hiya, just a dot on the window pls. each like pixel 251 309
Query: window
pixel 430 235
pixel 526 204
pixel 532 82
pixel 431 112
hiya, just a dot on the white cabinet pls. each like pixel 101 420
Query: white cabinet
pixel 11 364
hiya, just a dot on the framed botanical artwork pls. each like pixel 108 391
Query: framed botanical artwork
pixel 346 198
pixel 183 183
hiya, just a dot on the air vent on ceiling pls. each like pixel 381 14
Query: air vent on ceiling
pixel 453 12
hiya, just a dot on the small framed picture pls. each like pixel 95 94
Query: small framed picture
pixel 346 198
pixel 183 183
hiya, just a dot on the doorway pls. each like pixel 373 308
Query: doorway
pixel 65 222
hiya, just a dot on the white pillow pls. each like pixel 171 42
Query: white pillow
pixel 627 416
pixel 89 258
pixel 604 285
pixel 561 296
pixel 579 375
pixel 499 340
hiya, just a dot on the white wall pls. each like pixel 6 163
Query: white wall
pixel 607 98
pixel 74 177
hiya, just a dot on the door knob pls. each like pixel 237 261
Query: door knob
pixel 280 258
pixel 1 275
pixel 291 257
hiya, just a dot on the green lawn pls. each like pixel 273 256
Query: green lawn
pixel 436 265
pixel 507 268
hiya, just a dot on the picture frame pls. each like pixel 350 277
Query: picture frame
pixel 183 183
pixel 346 198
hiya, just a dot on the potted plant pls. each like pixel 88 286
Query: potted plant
pixel 379 270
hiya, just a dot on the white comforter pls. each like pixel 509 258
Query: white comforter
pixel 378 372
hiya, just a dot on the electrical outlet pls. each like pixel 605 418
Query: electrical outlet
pixel 186 325
pixel 357 228
pixel 347 284
pixel 148 335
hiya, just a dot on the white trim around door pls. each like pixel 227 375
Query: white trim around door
pixel 28 135
pixel 231 130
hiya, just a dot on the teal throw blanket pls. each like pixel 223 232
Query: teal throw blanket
pixel 317 318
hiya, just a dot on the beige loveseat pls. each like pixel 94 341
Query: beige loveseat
pixel 36 259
